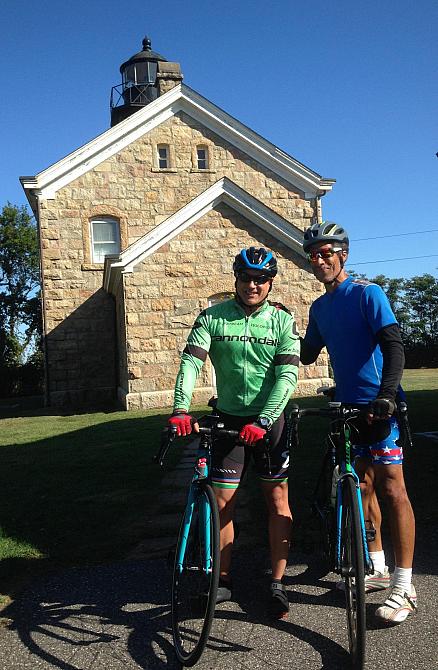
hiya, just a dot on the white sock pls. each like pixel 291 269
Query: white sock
pixel 378 559
pixel 402 578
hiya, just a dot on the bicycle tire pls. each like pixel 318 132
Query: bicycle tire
pixel 194 589
pixel 353 572
pixel 323 509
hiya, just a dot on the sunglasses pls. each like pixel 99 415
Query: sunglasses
pixel 325 254
pixel 258 279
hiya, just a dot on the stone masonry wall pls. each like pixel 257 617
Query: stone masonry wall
pixel 167 291
pixel 80 317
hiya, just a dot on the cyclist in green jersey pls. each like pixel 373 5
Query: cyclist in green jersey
pixel 253 345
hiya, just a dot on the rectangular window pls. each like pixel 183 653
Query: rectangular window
pixel 202 158
pixel 105 238
pixel 163 156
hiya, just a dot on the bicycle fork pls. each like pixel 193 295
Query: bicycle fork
pixel 339 511
pixel 204 523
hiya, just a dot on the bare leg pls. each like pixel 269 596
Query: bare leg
pixel 370 504
pixel 280 524
pixel 390 484
pixel 226 501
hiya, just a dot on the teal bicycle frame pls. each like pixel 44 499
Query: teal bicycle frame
pixel 347 470
pixel 200 477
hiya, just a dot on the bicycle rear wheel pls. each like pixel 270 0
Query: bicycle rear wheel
pixel 353 572
pixel 195 579
pixel 324 512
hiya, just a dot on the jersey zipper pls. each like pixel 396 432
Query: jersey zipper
pixel 245 358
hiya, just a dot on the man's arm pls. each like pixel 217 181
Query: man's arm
pixel 192 360
pixel 286 363
pixel 391 345
pixel 308 354
pixel 387 332
pixel 311 343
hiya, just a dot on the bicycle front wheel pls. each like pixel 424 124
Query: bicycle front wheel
pixel 196 577
pixel 353 572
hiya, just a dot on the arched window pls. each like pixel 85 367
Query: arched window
pixel 105 238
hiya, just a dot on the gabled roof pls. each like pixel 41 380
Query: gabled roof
pixel 223 191
pixel 181 98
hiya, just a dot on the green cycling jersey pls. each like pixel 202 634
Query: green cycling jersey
pixel 255 358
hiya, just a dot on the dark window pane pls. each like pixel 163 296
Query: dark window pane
pixel 163 157
pixel 202 158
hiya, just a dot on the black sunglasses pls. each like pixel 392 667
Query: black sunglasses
pixel 257 279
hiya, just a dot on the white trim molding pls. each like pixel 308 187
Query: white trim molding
pixel 181 98
pixel 223 191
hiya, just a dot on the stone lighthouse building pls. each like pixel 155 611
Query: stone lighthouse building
pixel 138 230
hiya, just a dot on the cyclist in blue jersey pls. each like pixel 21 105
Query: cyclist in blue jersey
pixel 253 345
pixel 354 321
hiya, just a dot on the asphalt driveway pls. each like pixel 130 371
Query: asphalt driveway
pixel 116 617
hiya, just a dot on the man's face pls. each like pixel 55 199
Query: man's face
pixel 325 261
pixel 252 287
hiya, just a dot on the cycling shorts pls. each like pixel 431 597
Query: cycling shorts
pixel 230 460
pixel 378 441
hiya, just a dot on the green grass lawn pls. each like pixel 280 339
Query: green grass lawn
pixel 424 379
pixel 73 488
pixel 76 489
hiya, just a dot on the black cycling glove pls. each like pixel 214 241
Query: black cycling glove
pixel 381 408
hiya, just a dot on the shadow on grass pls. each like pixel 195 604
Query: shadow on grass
pixel 78 497
pixel 85 496
pixel 23 410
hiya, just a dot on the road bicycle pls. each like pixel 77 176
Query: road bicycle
pixel 337 504
pixel 196 563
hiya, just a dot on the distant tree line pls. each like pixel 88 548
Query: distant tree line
pixel 415 305
pixel 21 357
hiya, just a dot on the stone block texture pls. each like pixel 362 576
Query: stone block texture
pixel 127 345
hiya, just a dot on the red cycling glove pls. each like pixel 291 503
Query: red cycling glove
pixel 182 422
pixel 252 433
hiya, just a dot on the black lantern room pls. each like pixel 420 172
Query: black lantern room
pixel 138 87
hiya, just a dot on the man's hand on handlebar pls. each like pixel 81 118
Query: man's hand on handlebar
pixel 183 423
pixel 380 408
pixel 251 433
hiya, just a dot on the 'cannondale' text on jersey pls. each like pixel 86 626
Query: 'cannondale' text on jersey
pixel 255 358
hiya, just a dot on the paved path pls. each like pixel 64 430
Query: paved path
pixel 116 617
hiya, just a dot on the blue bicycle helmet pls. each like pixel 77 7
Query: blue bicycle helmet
pixel 327 231
pixel 255 259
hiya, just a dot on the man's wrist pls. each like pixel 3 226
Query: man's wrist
pixel 264 422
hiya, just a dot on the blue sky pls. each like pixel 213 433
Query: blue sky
pixel 347 88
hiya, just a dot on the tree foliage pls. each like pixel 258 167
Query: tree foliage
pixel 415 304
pixel 20 304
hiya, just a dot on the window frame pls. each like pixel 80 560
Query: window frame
pixel 117 240
pixel 166 148
pixel 204 148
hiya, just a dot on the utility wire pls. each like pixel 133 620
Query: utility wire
pixel 382 237
pixel 391 260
